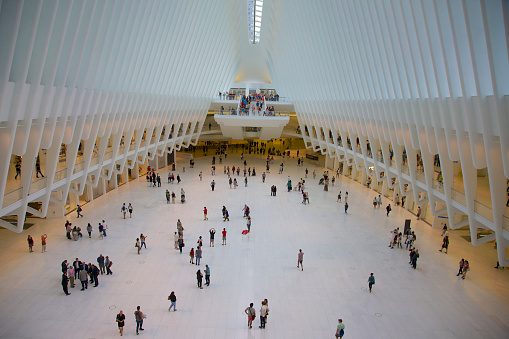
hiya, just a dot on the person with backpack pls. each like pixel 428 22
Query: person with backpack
pixel 123 210
pixel 173 299
pixel 79 210
pixel 340 330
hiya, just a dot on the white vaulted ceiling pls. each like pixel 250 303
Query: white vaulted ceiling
pixel 418 75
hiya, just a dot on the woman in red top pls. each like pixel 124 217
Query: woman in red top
pixel 191 255
pixel 43 240
pixel 224 236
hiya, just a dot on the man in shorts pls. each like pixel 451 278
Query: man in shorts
pixel 300 259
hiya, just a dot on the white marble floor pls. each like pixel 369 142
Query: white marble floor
pixel 340 252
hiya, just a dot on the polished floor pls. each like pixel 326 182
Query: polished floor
pixel 340 252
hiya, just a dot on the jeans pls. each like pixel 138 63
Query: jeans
pixel 207 279
pixel 262 322
pixel 139 325
pixel 143 243
pixel 197 261
pixel 108 271
pixel 174 305
pixel 84 284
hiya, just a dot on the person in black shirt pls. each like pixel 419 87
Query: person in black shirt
pixel 121 322
pixel 65 281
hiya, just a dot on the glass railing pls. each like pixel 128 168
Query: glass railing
pixel 12 197
pixel 459 197
pixel 420 176
pixel 506 223
pixel 108 155
pixel 60 175
pixel 439 186
pixel 405 170
pixel 483 210
pixel 380 158
pixel 79 167
pixel 246 112
pixel 38 185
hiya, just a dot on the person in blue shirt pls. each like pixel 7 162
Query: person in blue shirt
pixel 371 281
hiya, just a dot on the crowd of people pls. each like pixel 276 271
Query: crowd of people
pixel 89 273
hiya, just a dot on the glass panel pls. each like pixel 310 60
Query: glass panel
pixel 483 210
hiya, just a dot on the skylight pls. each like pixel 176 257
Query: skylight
pixel 254 16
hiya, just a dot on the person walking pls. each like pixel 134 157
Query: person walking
pixel 89 230
pixel 30 243
pixel 65 281
pixel 181 244
pixel 245 182
pixel 79 210
pixel 339 197
pixel 212 232
pixel 371 281
pixel 173 299
pixel 176 241
pixel 138 245
pixel 445 244
pixel 38 168
pixel 123 210
pixel 198 255
pixel 248 224
pixel 199 278
pixel 213 184
pixel 340 330
pixel 205 213
pixel 180 229
pixel 264 310
pixel 139 316
pixel 388 209
pixel 130 207
pixel 101 233
pixel 207 275
pixel 43 242
pixel 300 259
pixel 224 236
pixel 142 239
pixel 191 256
pixel 251 315
pixel 418 212
pixel 462 263
pixel 466 267
pixel 444 229
pixel 346 207
pixel 121 322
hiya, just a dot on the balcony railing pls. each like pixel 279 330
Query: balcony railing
pixel 483 210
pixel 439 186
pixel 420 177
pixel 242 113
pixel 12 197
pixel 459 197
